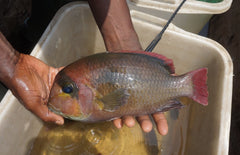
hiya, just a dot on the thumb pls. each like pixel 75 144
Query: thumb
pixel 48 116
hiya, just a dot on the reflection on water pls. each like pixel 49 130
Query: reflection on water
pixel 76 138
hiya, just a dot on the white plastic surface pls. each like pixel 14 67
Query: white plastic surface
pixel 191 17
pixel 73 34
pixel 190 6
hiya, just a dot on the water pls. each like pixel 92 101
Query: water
pixel 90 139
pixel 76 138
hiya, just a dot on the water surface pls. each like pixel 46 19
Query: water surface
pixel 76 138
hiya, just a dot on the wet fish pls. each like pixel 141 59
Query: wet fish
pixel 105 86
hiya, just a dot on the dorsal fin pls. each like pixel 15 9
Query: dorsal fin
pixel 167 63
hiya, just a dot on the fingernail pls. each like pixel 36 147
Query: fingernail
pixel 164 132
pixel 147 129
pixel 59 122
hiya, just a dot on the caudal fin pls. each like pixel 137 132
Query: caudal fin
pixel 199 81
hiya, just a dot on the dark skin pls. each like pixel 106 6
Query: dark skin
pixel 30 79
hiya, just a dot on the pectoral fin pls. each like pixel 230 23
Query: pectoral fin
pixel 114 100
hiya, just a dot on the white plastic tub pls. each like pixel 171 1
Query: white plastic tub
pixel 73 34
pixel 191 17
pixel 190 6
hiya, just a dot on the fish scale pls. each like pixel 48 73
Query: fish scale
pixel 127 83
pixel 142 76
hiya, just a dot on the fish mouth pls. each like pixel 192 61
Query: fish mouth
pixel 58 112
pixel 55 110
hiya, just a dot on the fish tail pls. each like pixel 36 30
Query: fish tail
pixel 199 81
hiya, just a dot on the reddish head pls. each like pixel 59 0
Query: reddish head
pixel 70 99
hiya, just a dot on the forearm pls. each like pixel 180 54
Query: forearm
pixel 114 21
pixel 8 60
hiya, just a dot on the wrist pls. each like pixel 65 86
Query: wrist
pixel 121 40
pixel 9 57
pixel 114 21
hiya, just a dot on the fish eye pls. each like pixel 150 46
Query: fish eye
pixel 67 89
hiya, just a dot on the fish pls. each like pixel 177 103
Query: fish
pixel 109 85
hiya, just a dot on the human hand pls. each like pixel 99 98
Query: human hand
pixel 115 24
pixel 31 83
pixel 145 122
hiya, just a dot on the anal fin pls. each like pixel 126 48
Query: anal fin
pixel 172 104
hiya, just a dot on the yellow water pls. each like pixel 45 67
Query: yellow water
pixel 75 138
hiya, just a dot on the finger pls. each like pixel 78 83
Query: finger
pixel 161 123
pixel 46 115
pixel 60 68
pixel 129 121
pixel 118 123
pixel 145 123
